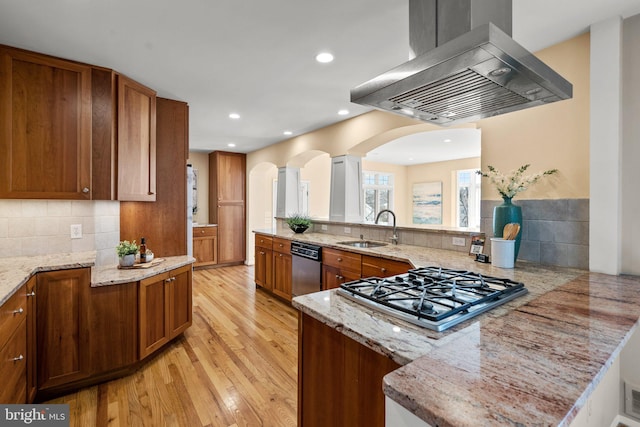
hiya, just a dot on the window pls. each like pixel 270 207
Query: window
pixel 468 196
pixel 378 195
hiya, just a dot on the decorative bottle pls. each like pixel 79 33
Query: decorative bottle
pixel 143 250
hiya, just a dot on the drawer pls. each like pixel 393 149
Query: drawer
pixel 205 231
pixel 264 241
pixel 14 372
pixel 382 267
pixel 282 245
pixel 12 313
pixel 342 259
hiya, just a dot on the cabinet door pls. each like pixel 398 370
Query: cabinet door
pixel 333 277
pixel 13 366
pixel 136 141
pixel 153 311
pixel 205 251
pixel 282 275
pixel 45 127
pixel 32 347
pixel 231 227
pixel 263 268
pixel 113 320
pixel 381 267
pixel 230 172
pixel 180 313
pixel 62 326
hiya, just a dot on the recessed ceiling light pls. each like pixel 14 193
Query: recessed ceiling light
pixel 324 57
pixel 287 132
pixel 343 112
pixel 234 116
pixel 447 140
pixel 231 144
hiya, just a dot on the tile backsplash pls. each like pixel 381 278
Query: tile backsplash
pixel 554 231
pixel 39 227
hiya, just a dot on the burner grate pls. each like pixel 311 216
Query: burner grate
pixel 435 294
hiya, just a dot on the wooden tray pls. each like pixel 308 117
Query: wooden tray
pixel 153 262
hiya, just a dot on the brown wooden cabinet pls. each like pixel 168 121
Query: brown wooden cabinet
pixel 13 348
pixel 164 223
pixel 282 268
pixel 339 267
pixel 383 267
pixel 45 127
pixel 227 204
pixel 164 308
pixel 339 379
pixel 205 246
pixel 263 269
pixel 32 347
pixel 113 322
pixel 62 326
pixel 136 141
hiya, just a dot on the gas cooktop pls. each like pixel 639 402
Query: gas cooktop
pixel 434 297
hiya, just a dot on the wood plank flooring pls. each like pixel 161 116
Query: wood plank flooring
pixel 235 366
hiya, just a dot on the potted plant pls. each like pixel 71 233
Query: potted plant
pixel 127 253
pixel 298 222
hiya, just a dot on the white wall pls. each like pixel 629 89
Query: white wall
pixel 631 146
pixel 40 227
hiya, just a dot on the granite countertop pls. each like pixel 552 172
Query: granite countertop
pixel 532 361
pixel 16 271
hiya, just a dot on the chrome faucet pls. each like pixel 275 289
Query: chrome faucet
pixel 394 238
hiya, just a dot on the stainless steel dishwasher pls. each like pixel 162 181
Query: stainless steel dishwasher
pixel 306 268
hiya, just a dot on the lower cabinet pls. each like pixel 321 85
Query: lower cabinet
pixel 263 270
pixel 339 267
pixel 62 326
pixel 164 308
pixel 282 268
pixel 13 348
pixel 348 390
pixel 205 246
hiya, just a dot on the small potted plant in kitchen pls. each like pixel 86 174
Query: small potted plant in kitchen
pixel 127 253
pixel 298 222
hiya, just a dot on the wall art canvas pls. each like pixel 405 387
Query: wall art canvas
pixel 427 203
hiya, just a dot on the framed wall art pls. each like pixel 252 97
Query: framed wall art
pixel 427 202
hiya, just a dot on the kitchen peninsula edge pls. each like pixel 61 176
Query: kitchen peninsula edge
pixel 532 361
pixel 16 271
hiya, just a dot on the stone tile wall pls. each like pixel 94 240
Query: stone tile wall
pixel 554 232
pixel 40 227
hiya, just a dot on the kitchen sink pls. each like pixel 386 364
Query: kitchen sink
pixel 362 244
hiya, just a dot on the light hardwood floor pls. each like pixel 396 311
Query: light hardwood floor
pixel 235 366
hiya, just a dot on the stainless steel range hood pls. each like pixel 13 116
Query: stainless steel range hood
pixel 481 73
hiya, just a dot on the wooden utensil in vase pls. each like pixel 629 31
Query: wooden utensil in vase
pixel 510 231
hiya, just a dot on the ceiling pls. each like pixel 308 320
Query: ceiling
pixel 257 57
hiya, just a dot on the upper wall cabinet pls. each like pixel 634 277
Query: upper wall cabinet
pixel 124 138
pixel 136 141
pixel 45 127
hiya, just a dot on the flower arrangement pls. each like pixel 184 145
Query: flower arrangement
pixel 126 248
pixel 515 182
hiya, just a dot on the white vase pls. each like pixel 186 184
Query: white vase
pixel 127 260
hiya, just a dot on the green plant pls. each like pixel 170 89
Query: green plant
pixel 126 248
pixel 515 181
pixel 298 219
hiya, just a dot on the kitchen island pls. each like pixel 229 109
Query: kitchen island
pixel 532 361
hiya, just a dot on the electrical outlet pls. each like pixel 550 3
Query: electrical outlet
pixel 324 227
pixel 459 241
pixel 347 230
pixel 76 231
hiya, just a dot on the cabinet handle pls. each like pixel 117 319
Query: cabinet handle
pixel 18 311
pixel 19 358
pixel 281 255
pixel 31 294
pixel 339 259
pixel 261 253
pixel 85 190
pixel 384 270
